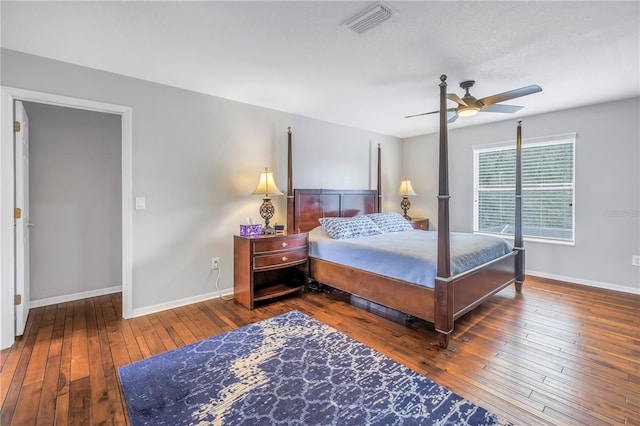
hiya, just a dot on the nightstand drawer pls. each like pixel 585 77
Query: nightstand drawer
pixel 279 259
pixel 277 244
pixel 420 224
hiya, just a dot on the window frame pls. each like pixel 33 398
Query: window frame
pixel 526 143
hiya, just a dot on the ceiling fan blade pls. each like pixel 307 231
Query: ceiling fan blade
pixel 501 108
pixel 426 113
pixel 455 98
pixel 511 94
pixel 453 118
pixel 418 115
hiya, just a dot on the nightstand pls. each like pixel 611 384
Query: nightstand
pixel 269 266
pixel 420 223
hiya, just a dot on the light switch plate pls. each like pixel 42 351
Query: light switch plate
pixel 141 203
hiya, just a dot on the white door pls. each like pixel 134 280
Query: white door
pixel 22 218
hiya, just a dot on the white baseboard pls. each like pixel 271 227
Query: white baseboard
pixel 590 283
pixel 74 296
pixel 178 303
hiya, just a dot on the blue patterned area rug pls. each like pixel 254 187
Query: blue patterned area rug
pixel 287 370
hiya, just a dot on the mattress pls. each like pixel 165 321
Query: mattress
pixel 407 255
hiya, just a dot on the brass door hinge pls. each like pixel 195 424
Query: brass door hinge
pixel 16 126
pixel 17 212
pixel 18 299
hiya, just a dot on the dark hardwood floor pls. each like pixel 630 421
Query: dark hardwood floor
pixel 556 354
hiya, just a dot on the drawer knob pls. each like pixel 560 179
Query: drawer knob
pixel 284 244
pixel 285 258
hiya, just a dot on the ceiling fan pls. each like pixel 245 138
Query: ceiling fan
pixel 469 105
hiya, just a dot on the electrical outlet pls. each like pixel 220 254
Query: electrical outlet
pixel 215 263
pixel 635 260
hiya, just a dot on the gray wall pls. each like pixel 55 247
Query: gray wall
pixel 75 200
pixel 196 159
pixel 607 223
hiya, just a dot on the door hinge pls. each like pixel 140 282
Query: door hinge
pixel 17 212
pixel 16 126
pixel 18 299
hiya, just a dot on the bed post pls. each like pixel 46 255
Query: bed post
pixel 517 242
pixel 443 292
pixel 290 200
pixel 379 188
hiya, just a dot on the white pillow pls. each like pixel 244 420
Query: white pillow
pixel 349 227
pixel 390 221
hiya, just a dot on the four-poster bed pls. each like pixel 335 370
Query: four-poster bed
pixel 450 296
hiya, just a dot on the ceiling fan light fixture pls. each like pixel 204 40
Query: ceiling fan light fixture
pixel 469 111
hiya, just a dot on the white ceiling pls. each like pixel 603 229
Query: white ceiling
pixel 297 57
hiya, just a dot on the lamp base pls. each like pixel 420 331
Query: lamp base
pixel 405 205
pixel 266 211
pixel 268 230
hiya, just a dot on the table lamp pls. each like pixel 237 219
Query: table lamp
pixel 267 187
pixel 405 190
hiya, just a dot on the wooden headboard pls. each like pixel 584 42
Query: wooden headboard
pixel 312 204
pixel 306 206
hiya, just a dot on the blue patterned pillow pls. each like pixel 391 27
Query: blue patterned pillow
pixel 390 221
pixel 349 227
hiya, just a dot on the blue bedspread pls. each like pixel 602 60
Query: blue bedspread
pixel 408 255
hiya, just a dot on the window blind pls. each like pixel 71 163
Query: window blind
pixel 547 190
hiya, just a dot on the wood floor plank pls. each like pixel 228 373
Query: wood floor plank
pixel 598 363
pixel 558 407
pixel 180 332
pixel 27 404
pixel 64 377
pixel 4 354
pixel 105 330
pixel 505 406
pixel 9 368
pixel 47 407
pixel 38 359
pixel 79 343
pixel 184 318
pixel 558 353
pixel 80 401
pixel 170 329
pixel 139 337
pixel 100 407
pixel 25 344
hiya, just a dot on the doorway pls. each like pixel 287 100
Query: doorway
pixel 7 200
pixel 74 208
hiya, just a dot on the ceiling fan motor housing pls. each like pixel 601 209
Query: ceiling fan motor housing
pixel 473 105
pixel 467 84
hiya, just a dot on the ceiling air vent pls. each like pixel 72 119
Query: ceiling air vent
pixel 369 18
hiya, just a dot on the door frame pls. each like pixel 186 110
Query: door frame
pixel 7 182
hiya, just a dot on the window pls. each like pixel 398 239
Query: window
pixel 547 189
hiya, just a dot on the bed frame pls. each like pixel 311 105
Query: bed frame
pixel 452 296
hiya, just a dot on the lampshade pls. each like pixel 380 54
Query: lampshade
pixel 406 188
pixel 266 185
